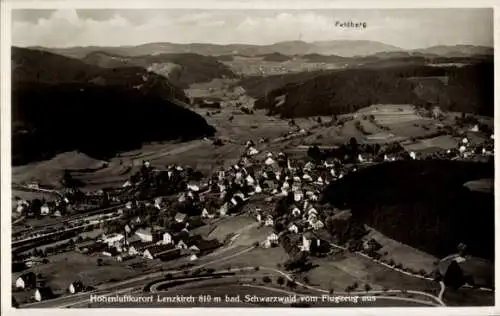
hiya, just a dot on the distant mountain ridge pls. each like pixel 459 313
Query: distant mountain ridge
pixel 343 48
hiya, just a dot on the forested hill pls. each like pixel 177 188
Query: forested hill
pixel 62 104
pixel 464 89
pixel 39 66
pixel 97 120
pixel 423 203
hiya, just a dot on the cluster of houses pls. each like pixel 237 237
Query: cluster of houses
pixel 46 208
pixel 149 243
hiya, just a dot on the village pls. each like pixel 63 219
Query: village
pixel 155 215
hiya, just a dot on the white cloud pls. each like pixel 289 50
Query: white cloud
pixel 132 27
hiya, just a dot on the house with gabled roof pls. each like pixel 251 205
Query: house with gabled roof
pixel 269 221
pixel 293 228
pixel 205 246
pixel 180 217
pixel 76 287
pixel 153 252
pixel 26 280
pixel 137 248
pixel 317 224
pixel 43 293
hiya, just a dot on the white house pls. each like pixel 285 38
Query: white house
pixel 306 244
pixel 317 224
pixel 167 238
pixel 76 287
pixel 298 196
pixel 250 180
pixel 307 177
pixel 269 161
pixel 285 186
pixel 20 284
pixel 20 208
pixel 112 239
pixel 252 151
pixel 312 210
pixel 259 218
pixel 193 257
pixel 258 189
pixel 269 221
pixel 223 209
pixel 333 173
pixel 44 210
pixel 293 229
pixel 181 245
pixel 193 187
pixel 180 217
pixel 308 166
pixel 43 294
pixel 273 238
pixel 158 201
pixel 182 197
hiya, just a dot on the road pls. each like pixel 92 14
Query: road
pixel 119 287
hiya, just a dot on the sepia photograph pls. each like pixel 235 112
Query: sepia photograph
pixel 173 158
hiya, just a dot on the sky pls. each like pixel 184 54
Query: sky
pixel 404 28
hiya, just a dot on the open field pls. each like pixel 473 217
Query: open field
pixel 49 172
pixel 401 253
pixel 31 195
pixel 256 66
pixel 266 257
pixel 68 267
pixel 230 226
pixel 343 270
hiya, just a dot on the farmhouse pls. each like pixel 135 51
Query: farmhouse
pixel 43 293
pixel 44 210
pixel 317 225
pixel 112 239
pixel 124 257
pixel 76 287
pixel 166 238
pixel 293 228
pixel 206 246
pixel 138 248
pixel 26 280
pixel 269 221
pixel 193 257
pixel 154 252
